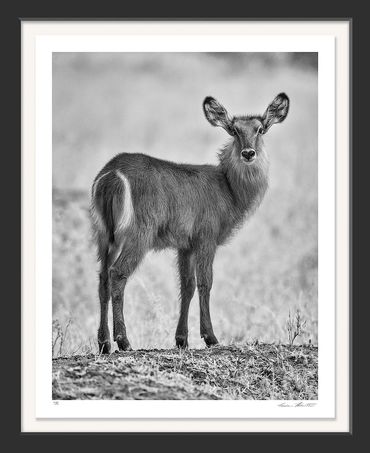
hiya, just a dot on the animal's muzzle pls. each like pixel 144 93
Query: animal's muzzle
pixel 248 154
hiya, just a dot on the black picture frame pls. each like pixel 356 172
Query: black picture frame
pixel 42 11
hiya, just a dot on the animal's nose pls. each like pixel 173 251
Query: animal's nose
pixel 249 153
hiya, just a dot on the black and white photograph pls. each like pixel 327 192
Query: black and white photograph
pixel 185 226
pixel 186 239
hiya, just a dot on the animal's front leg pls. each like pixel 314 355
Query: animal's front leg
pixel 186 264
pixel 204 263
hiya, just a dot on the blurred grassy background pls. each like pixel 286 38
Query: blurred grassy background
pixel 105 103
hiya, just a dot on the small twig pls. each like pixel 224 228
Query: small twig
pixel 57 336
pixel 295 327
pixel 64 336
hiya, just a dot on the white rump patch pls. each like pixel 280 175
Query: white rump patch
pixel 95 185
pixel 128 209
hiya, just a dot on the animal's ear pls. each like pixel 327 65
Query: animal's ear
pixel 217 115
pixel 276 112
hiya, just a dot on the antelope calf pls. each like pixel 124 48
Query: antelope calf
pixel 140 203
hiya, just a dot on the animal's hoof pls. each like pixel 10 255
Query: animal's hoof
pixel 182 342
pixel 104 347
pixel 210 340
pixel 123 343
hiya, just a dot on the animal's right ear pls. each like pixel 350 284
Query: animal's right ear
pixel 217 115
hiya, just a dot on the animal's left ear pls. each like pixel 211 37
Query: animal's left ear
pixel 276 112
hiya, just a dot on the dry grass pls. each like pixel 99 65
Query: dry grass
pixel 261 372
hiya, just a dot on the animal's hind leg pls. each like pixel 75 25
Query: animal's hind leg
pixel 103 332
pixel 119 272
pixel 186 263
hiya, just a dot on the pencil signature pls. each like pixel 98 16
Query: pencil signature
pixel 297 404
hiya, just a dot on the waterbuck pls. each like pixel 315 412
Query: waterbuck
pixel 140 203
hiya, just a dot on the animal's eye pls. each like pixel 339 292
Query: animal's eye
pixel 260 130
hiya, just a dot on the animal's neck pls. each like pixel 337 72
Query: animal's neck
pixel 248 183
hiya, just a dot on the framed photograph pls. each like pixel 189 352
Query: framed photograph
pixel 186 228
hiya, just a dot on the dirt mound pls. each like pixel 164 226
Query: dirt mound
pixel 259 371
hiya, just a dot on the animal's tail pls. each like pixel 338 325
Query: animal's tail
pixel 111 212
